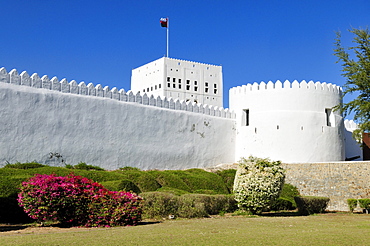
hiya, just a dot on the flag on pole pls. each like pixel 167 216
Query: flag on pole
pixel 164 22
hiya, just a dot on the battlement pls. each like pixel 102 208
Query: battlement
pixel 286 85
pixel 350 125
pixel 194 62
pixel 24 79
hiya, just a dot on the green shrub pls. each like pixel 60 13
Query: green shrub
pixel 282 204
pixel 198 179
pixel 171 179
pixel 228 177
pixel 258 183
pixel 191 207
pixel 129 168
pixel 27 165
pixel 352 204
pixel 364 204
pixel 84 166
pixel 159 204
pixel 128 185
pixel 173 191
pixel 286 198
pixel 311 204
pixel 162 204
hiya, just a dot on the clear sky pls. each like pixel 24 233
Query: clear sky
pixel 254 41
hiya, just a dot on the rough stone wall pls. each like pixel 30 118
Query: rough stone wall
pixel 336 180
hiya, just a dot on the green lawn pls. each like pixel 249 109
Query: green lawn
pixel 324 229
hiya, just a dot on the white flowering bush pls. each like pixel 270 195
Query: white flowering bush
pixel 258 182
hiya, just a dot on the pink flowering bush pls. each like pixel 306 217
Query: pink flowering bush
pixel 75 200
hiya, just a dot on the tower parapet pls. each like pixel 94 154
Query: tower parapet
pixel 288 121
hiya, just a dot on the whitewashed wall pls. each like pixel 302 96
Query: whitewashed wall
pixel 287 121
pixel 105 132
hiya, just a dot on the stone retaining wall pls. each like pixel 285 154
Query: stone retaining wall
pixel 336 180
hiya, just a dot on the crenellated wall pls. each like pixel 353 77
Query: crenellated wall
pixel 290 121
pixel 13 77
pixel 106 127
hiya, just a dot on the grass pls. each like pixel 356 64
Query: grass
pixel 323 229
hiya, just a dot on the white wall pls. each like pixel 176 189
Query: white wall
pixel 287 121
pixel 106 132
pixel 353 148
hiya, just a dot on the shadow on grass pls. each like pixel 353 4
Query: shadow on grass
pixel 4 228
pixel 281 214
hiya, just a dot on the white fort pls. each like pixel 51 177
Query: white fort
pixel 185 80
pixel 172 118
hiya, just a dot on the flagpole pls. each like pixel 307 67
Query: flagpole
pixel 168 30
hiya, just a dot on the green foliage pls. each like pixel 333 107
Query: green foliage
pixel 352 204
pixel 173 191
pixel 357 73
pixel 84 166
pixel 27 165
pixel 282 204
pixel 311 204
pixel 129 168
pixel 159 204
pixel 228 177
pixel 169 178
pixel 162 204
pixel 128 185
pixel 258 183
pixel 364 204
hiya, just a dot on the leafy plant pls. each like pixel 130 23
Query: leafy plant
pixel 352 204
pixel 84 166
pixel 311 204
pixel 364 204
pixel 27 165
pixel 75 200
pixel 258 183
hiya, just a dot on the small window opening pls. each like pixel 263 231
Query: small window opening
pixel 245 119
pixel 188 87
pixel 168 79
pixel 215 91
pixel 174 85
pixel 206 90
pixel 195 82
pixel 195 88
pixel 187 82
pixel 330 118
pixel 168 85
pixel 155 87
pixel 159 86
pixel 174 80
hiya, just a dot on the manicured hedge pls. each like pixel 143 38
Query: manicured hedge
pixel 163 204
pixel 311 204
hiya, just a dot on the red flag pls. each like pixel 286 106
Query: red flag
pixel 164 22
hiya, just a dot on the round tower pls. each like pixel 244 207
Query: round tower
pixel 291 122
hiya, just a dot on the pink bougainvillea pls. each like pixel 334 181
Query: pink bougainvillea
pixel 76 200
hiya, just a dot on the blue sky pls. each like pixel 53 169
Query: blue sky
pixel 101 41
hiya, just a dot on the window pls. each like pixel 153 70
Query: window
pixel 174 80
pixel 174 85
pixel 206 90
pixel 168 79
pixel 188 82
pixel 168 85
pixel 155 87
pixel 179 86
pixel 206 84
pixel 147 90
pixel 245 119
pixel 151 88
pixel 144 90
pixel 330 118
pixel 195 88
pixel 159 86
pixel 215 91
pixel 195 82
pixel 215 86
pixel 188 87
pixel 179 81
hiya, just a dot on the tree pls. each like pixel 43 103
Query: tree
pixel 258 182
pixel 357 73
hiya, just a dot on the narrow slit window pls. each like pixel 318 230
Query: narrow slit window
pixel 330 119
pixel 245 119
